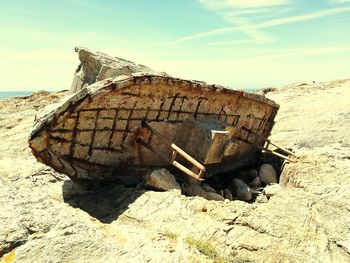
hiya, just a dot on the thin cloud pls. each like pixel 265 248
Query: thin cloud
pixel 340 1
pixel 301 18
pixel 253 30
pixel 204 34
pixel 216 4
pixel 230 42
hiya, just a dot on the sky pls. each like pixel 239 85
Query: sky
pixel 235 43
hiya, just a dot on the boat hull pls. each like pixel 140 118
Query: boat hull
pixel 92 135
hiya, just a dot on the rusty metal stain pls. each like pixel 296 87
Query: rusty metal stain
pixel 95 136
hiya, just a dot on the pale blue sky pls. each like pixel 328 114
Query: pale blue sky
pixel 237 43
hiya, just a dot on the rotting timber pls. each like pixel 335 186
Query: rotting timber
pixel 99 133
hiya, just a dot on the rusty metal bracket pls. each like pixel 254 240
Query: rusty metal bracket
pixel 175 150
pixel 267 144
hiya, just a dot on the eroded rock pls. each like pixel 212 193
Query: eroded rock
pixel 297 225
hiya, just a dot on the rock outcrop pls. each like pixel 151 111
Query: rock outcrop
pixel 96 66
pixel 45 217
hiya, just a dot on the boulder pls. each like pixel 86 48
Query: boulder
pixel 96 66
pixel 214 196
pixel 307 222
pixel 241 190
pixel 248 175
pixel 196 190
pixel 271 190
pixel 255 183
pixel 228 195
pixel 268 174
pixel 208 188
pixel 161 180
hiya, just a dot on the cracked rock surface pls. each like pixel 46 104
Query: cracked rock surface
pixel 45 217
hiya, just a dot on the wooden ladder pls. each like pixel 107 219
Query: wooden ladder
pixel 175 150
pixel 267 143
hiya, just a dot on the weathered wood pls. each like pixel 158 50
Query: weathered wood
pixel 176 150
pixel 205 140
pixel 268 142
pixel 93 134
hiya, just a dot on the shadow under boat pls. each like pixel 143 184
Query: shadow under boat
pixel 105 201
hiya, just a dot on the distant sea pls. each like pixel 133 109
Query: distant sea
pixel 249 90
pixel 10 94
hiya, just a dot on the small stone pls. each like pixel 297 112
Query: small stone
pixel 261 199
pixel 214 196
pixel 272 190
pixel 228 195
pixel 268 174
pixel 255 183
pixel 140 186
pixel 194 190
pixel 249 175
pixel 208 188
pixel 161 180
pixel 241 190
pixel 14 178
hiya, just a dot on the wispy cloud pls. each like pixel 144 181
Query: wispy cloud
pixel 205 34
pixel 305 17
pixel 238 13
pixel 215 4
pixel 264 68
pixel 340 1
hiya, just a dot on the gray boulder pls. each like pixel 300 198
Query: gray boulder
pixel 241 190
pixel 161 180
pixel 268 174
pixel 197 190
pixel 96 66
pixel 228 195
pixel 208 188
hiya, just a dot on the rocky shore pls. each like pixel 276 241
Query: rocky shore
pixel 45 217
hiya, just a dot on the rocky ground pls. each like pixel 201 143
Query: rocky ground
pixel 45 217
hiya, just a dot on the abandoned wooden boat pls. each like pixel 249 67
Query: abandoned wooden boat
pixel 121 128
